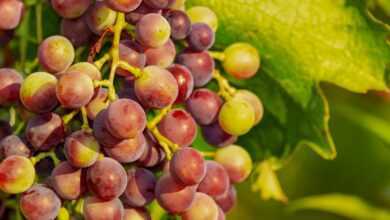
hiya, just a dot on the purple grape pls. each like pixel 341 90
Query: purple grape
pixel 160 4
pixel 76 30
pixel 216 182
pixel 184 80
pixel 128 150
pixel 201 65
pixel 153 154
pixel 216 136
pixel 67 181
pixel 13 145
pixel 5 129
pixel 107 179
pixel 180 23
pixel 101 132
pixel 11 12
pixel 228 200
pixel 98 209
pixel 140 187
pixel 125 6
pixel 136 15
pixel 201 37
pixel 10 82
pixel 70 8
pixel 161 56
pixel 204 106
pixel 81 149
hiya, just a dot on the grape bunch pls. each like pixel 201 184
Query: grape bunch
pixel 113 137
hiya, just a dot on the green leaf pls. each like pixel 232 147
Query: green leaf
pixel 344 205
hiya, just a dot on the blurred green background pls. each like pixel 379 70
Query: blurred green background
pixel 362 167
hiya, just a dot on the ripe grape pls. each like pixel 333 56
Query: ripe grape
pixel 252 99
pixel 216 182
pixel 136 15
pixel 125 6
pixel 98 209
pixel 70 8
pixel 202 208
pixel 204 106
pixel 180 23
pixel 140 187
pixel 201 37
pixel 159 4
pixel 11 12
pixel 237 117
pixel 184 80
pixel 98 103
pixel 38 92
pixel 241 60
pixel 5 129
pixel 107 178
pixel 125 118
pixel 201 14
pixel 216 136
pixel 74 90
pixel 67 181
pixel 228 200
pixel 101 132
pixel 10 82
pixel 136 214
pixel 13 145
pixel 40 203
pixel 179 127
pixel 81 149
pixel 99 17
pixel 153 154
pixel 188 166
pixel 174 196
pixel 153 30
pixel 17 174
pixel 128 150
pixel 76 30
pixel 131 53
pixel 45 131
pixel 86 68
pixel 156 88
pixel 201 65
pixel 56 54
pixel 161 56
pixel 221 214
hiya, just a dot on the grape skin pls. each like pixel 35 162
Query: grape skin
pixel 201 37
pixel 153 30
pixel 241 60
pixel 159 4
pixel 125 6
pixel 201 14
pixel 180 24
pixel 81 149
pixel 140 187
pixel 227 201
pixel 99 17
pixel 13 145
pixel 131 53
pixel 76 30
pixel 10 82
pixel 5 129
pixel 86 68
pixel 67 181
pixel 98 209
pixel 136 15
pixel 204 106
pixel 216 136
pixel 128 150
pixel 203 208
pixel 216 182
pixel 101 132
pixel 161 56
pixel 98 103
pixel 184 80
pixel 70 8
pixel 17 174
pixel 153 154
pixel 11 12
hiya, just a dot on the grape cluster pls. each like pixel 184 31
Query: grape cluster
pixel 119 132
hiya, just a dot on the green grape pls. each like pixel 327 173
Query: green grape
pixel 254 101
pixel 237 162
pixel 201 14
pixel 17 174
pixel 241 60
pixel 237 117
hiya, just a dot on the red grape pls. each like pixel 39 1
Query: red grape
pixel 17 174
pixel 101 132
pixel 136 15
pixel 11 12
pixel 160 4
pixel 136 214
pixel 99 17
pixel 140 187
pixel 13 145
pixel 86 68
pixel 131 53
pixel 184 80
pixel 153 154
pixel 201 65
pixel 10 82
pixel 81 149
pixel 188 166
pixel 203 208
pixel 216 182
pixel 70 8
pixel 98 209
pixel 201 37
pixel 67 181
pixel 128 150
pixel 204 106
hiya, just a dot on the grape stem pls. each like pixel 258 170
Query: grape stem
pixel 210 154
pixel 38 14
pixel 85 125
pixel 14 204
pixel 19 128
pixel 12 116
pixel 34 160
pixel 100 62
pixel 68 117
pixel 217 55
pixel 225 89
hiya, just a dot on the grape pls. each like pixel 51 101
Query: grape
pixel 203 208
pixel 125 118
pixel 237 117
pixel 188 166
pixel 173 196
pixel 221 214
pixel 184 80
pixel 241 60
pixel 56 54
pixel 11 12
pixel 204 106
pixel 132 54
pixel 81 149
pixel 38 92
pixel 236 161
pixel 153 153
pixel 161 56
pixel 200 64
pixel 10 82
pixel 179 127
pixel 136 214
pixel 70 8
pixel 156 88
pixel 180 24
pixel 201 37
pixel 40 203
pixel 67 181
pixel 128 150
pixel 178 5
pixel 76 30
pixel 201 14
pixel 45 131
pixel 99 17
pixel 86 68
pixel 228 200
pixel 74 90
pixel 127 90
pixel 136 15
pixel 216 182
pixel 13 145
pixel 216 136
pixel 98 103
pixel 252 99
pixel 17 174
pixel 5 129
pixel 140 187
pixel 160 4
pixel 125 6
pixel 98 209
pixel 101 133
pixel 153 30
pixel 107 178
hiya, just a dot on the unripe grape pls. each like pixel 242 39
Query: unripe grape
pixel 81 149
pixel 252 99
pixel 70 8
pixel 180 23
pixel 11 12
pixel 153 30
pixel 128 150
pixel 185 81
pixel 99 17
pixel 201 37
pixel 10 82
pixel 86 68
pixel 201 14
pixel 237 117
pixel 202 208
pixel 241 60
pixel 17 174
